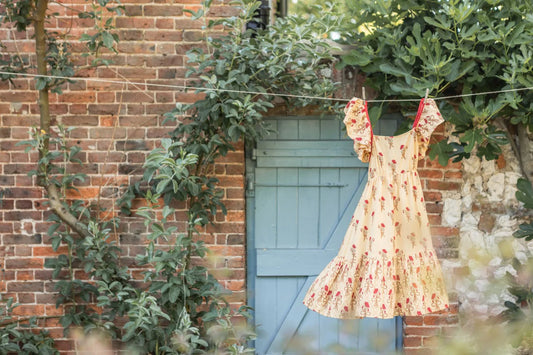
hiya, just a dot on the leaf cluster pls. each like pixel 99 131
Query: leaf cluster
pixel 22 14
pixel 22 337
pixel 451 48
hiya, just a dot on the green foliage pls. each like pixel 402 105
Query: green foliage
pixel 519 313
pixel 22 337
pixel 173 312
pixel 289 57
pixel 52 165
pixel 22 14
pixel 449 47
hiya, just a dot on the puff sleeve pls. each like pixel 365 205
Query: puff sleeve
pixel 426 123
pixel 358 128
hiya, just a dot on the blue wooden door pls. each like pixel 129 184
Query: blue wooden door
pixel 304 183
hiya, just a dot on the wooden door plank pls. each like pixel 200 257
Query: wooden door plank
pixel 273 126
pixel 292 262
pixel 290 323
pixel 317 148
pixel 309 129
pixel 309 162
pixel 265 212
pixel 330 129
pixel 308 208
pixel 263 311
pixel 328 203
pixel 349 200
pixel 287 129
pixel 287 209
pixel 329 334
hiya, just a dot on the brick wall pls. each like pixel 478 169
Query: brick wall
pixel 116 125
pixel 419 331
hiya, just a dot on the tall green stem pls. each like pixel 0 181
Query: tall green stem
pixel 43 101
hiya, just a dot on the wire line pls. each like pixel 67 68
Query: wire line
pixel 185 87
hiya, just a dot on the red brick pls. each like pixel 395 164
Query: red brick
pixel 223 11
pixel 77 97
pixel 134 22
pixel 434 207
pixel 412 341
pixel 133 10
pixel 235 193
pixel 443 319
pixel 430 174
pixel 25 286
pixel 25 275
pixel 25 263
pixel 424 331
pixel 49 251
pixel 434 220
pixel 19 215
pixel 164 23
pixel 235 285
pixel 435 164
pixel 453 175
pixel 53 311
pixel 28 310
pixel 132 121
pixel 444 231
pixel 442 185
pixel 233 181
pixel 235 216
pixel 413 320
pixel 26 298
pixel 23 250
pixel 83 193
pixel 163 10
pixel 64 345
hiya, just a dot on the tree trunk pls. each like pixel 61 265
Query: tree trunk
pixel 44 112
pixel 524 152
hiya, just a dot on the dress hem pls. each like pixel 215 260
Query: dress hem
pixel 395 314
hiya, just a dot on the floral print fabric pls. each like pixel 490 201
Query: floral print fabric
pixel 386 265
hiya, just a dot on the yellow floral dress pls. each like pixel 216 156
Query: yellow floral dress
pixel 386 265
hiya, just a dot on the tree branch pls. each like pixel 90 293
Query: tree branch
pixel 523 146
pixel 60 210
pixel 520 150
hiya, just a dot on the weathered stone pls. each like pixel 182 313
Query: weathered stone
pixel 451 213
pixel 495 187
pixel 486 222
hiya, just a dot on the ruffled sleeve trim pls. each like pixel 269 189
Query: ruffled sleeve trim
pixel 426 121
pixel 358 128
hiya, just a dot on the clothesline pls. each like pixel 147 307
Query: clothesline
pixel 185 87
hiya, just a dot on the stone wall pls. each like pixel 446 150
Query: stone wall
pixel 486 212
